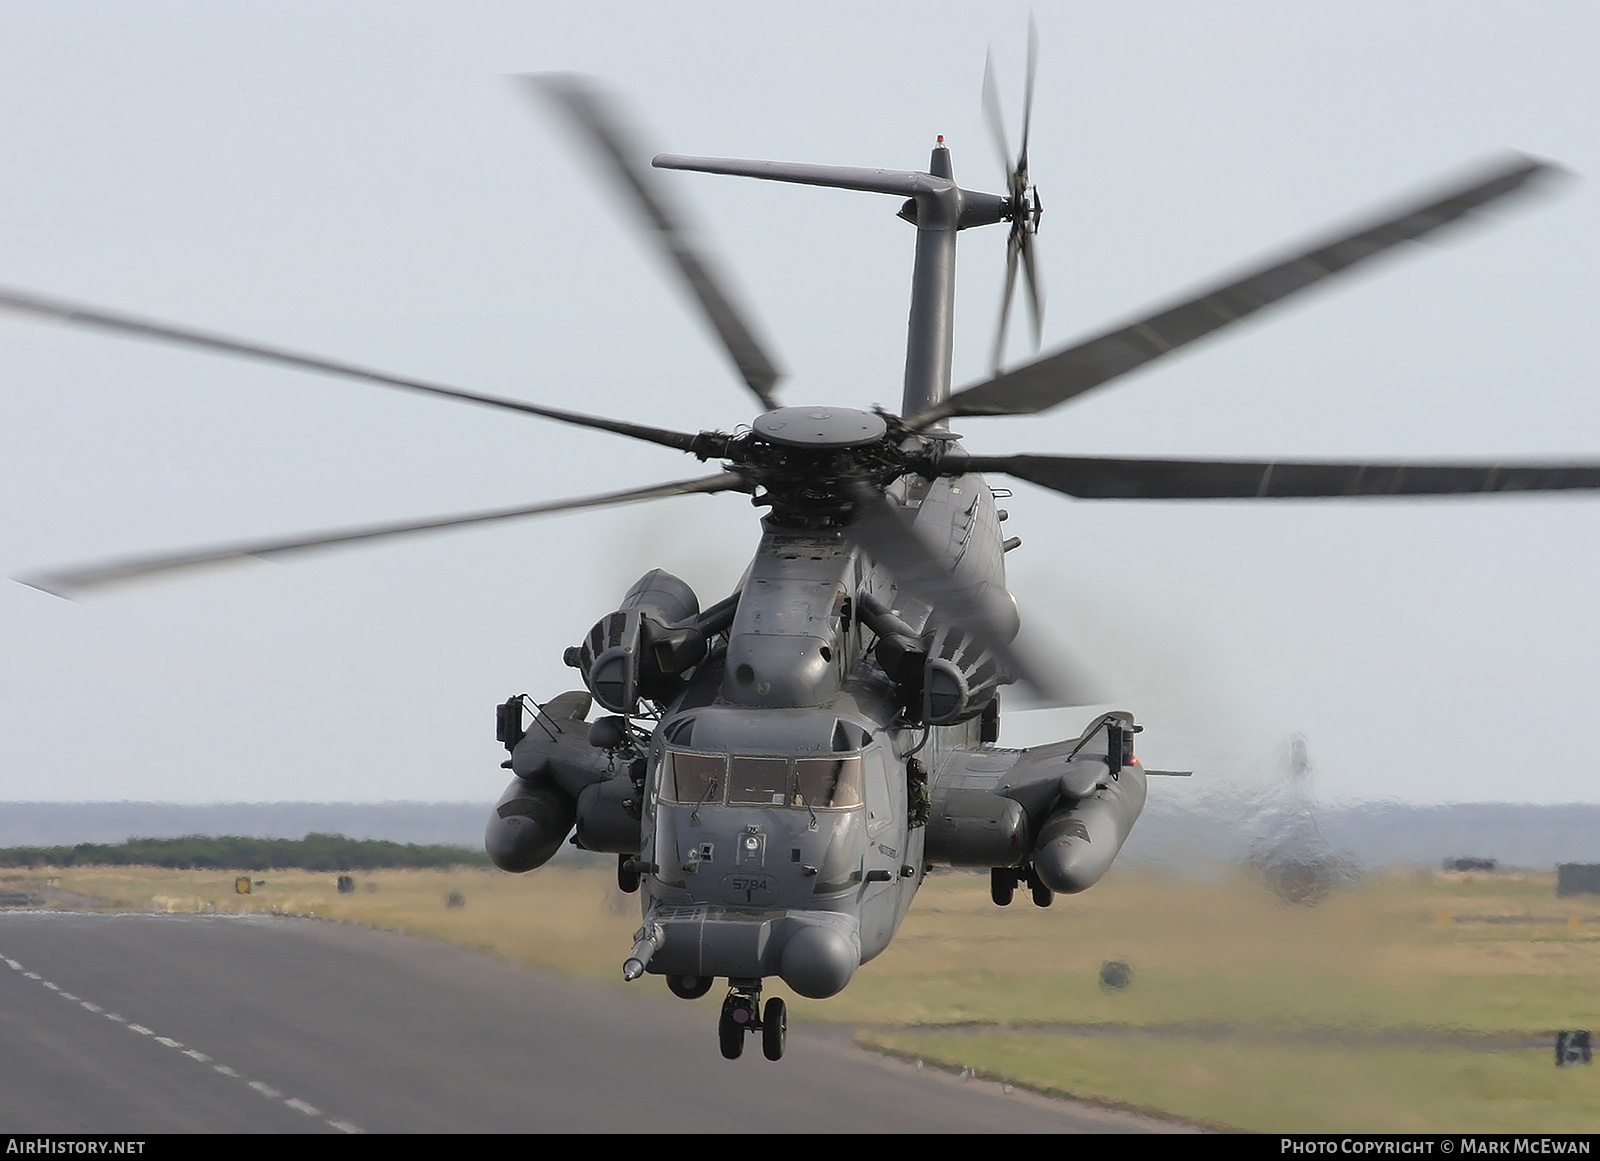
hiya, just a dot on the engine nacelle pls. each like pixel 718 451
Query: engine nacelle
pixel 959 679
pixel 645 647
pixel 944 675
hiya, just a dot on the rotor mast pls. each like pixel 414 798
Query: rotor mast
pixel 930 333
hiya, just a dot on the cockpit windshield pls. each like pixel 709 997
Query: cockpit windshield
pixel 831 783
pixel 759 782
pixel 824 782
pixel 694 778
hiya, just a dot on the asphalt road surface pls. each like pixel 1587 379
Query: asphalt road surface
pixel 155 1023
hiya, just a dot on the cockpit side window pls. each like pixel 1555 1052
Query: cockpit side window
pixel 694 778
pixel 828 782
pixel 759 782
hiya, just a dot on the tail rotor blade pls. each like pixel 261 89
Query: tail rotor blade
pixel 1030 271
pixel 1012 248
pixel 1027 100
pixel 1022 213
pixel 993 117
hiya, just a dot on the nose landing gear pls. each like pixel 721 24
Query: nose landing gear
pixel 742 1012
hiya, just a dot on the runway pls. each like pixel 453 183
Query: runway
pixel 166 1023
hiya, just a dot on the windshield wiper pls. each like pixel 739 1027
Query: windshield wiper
pixel 801 795
pixel 710 786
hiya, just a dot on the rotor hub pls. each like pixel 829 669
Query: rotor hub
pixel 820 427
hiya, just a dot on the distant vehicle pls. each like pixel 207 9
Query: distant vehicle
pixel 1578 879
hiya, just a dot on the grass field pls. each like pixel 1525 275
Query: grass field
pixel 1415 1001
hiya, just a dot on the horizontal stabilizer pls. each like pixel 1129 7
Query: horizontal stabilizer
pixel 905 182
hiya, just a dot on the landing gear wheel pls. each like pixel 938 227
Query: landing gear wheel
pixel 1002 885
pixel 1042 895
pixel 627 881
pixel 730 1036
pixel 736 1019
pixel 774 1029
pixel 689 987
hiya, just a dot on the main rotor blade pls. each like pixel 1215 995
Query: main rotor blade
pixel 1056 378
pixel 1102 478
pixel 70 582
pixel 597 118
pixel 130 326
pixel 925 576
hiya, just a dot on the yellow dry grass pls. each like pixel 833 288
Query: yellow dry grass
pixel 1377 1009
pixel 1493 953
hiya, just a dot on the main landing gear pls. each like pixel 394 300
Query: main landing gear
pixel 1003 882
pixel 742 1012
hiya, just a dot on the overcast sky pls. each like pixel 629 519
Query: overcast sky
pixel 363 181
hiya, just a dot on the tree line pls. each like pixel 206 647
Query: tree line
pixel 315 852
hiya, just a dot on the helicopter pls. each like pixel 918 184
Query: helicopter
pixel 778 771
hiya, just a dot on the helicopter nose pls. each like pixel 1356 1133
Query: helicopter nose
pixel 819 961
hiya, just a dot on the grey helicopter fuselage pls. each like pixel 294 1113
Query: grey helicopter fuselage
pixel 819 740
pixel 801 779
pixel 812 821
